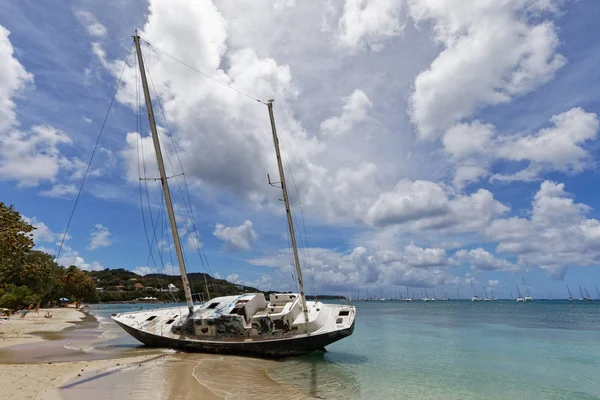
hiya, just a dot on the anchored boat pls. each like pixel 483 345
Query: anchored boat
pixel 285 324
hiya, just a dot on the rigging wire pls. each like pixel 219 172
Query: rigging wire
pixel 188 205
pixel 202 73
pixel 62 242
pixel 304 250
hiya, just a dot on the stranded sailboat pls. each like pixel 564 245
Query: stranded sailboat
pixel 284 324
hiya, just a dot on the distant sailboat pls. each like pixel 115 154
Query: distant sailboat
pixel 408 297
pixel 520 298
pixel 584 297
pixel 475 297
pixel 527 295
pixel 426 298
pixel 570 295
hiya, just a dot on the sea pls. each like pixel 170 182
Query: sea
pixel 545 349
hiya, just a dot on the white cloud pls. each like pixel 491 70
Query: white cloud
pixel 561 147
pixel 193 243
pixel 14 79
pixel 94 28
pixel 367 23
pixel 100 237
pixel 468 173
pixel 143 270
pixel 427 205
pixel 481 260
pixel 466 139
pixel 492 52
pixel 233 278
pixel 32 156
pixel 236 238
pixel 70 257
pixel 43 234
pixel 555 236
pixel 557 148
pixel 354 111
pixel 493 283
pixel 326 268
pixel 60 190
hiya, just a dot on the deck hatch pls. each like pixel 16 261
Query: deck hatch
pixel 151 318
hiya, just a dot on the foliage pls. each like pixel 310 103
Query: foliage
pixel 30 276
pixel 15 296
pixel 15 242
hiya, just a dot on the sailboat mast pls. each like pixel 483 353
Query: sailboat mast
pixel 288 211
pixel 163 177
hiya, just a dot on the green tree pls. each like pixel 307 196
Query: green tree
pixel 15 243
pixel 79 284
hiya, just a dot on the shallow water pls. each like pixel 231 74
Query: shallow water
pixel 418 350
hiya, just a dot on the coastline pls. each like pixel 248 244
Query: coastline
pixel 42 379
pixel 31 329
pixel 34 363
pixel 50 359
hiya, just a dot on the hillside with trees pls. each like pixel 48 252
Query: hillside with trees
pixel 117 285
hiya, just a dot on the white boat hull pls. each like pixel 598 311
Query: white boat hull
pixel 170 328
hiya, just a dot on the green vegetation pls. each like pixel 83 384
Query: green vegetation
pixel 29 276
pixel 118 285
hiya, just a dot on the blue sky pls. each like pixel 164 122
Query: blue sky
pixel 432 144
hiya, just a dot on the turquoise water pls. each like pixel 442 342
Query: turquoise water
pixel 451 350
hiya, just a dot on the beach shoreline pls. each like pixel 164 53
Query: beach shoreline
pixel 43 379
pixel 35 365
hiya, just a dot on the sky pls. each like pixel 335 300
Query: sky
pixel 440 145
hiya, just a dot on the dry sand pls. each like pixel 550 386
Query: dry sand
pixel 19 330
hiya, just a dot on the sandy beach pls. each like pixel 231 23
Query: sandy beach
pixel 19 330
pixel 42 358
pixel 41 380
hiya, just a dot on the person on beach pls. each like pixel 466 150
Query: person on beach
pixel 24 313
pixel 48 315
pixel 37 308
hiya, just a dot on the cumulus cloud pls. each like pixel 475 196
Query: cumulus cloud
pixel 91 24
pixel 143 270
pixel 43 234
pixel 69 257
pixel 236 238
pixel 475 146
pixel 428 205
pixel 14 80
pixel 556 235
pixel 559 147
pixel 492 52
pixel 32 156
pixel 369 22
pixel 100 237
pixel 482 260
pixel 60 190
pixel 410 266
pixel 354 111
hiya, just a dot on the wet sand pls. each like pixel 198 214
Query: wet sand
pixel 65 358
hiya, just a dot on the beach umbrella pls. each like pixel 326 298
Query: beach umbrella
pixel 63 299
